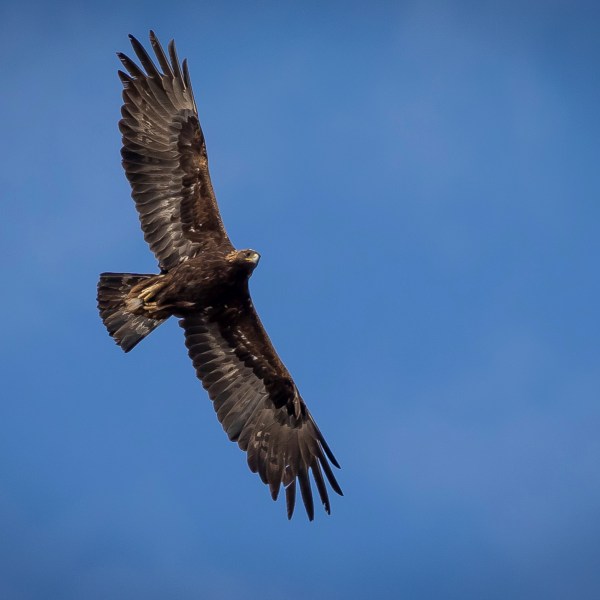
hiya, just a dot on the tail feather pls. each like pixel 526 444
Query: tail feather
pixel 125 327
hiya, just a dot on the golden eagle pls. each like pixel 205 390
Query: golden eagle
pixel 204 282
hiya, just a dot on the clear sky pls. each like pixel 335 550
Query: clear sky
pixel 422 181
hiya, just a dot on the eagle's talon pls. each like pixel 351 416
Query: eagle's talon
pixel 147 293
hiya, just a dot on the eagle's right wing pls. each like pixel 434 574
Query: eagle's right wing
pixel 257 402
pixel 164 156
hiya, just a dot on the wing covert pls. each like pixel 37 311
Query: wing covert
pixel 165 159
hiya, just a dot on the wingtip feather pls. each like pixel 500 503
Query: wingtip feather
pixel 290 498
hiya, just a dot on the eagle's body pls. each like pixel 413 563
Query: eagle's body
pixel 194 285
pixel 204 282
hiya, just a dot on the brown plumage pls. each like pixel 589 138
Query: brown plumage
pixel 204 283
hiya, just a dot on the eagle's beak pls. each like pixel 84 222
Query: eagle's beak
pixel 254 258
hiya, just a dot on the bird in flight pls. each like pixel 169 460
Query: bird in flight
pixel 203 281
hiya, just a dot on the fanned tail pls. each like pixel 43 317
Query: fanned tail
pixel 124 326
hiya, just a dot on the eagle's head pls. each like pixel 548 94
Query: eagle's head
pixel 246 259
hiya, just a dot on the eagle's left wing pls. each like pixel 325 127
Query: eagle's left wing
pixel 257 402
pixel 165 160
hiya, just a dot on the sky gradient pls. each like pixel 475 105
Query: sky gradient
pixel 422 181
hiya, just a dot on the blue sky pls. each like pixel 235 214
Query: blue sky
pixel 421 179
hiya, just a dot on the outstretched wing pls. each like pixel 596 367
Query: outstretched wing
pixel 164 156
pixel 257 402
